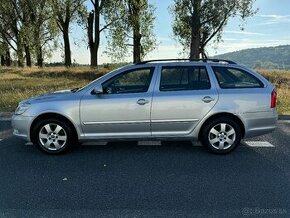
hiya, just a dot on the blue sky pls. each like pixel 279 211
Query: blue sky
pixel 269 27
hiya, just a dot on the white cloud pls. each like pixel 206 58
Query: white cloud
pixel 230 39
pixel 244 33
pixel 274 19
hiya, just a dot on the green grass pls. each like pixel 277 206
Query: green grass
pixel 17 84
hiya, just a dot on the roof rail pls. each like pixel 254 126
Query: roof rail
pixel 190 60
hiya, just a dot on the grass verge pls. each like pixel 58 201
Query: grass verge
pixel 281 80
pixel 17 84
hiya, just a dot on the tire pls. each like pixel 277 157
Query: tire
pixel 53 136
pixel 221 136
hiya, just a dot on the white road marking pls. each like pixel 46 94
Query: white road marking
pixel 258 144
pixel 1 140
pixel 284 121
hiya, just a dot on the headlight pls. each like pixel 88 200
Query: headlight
pixel 22 108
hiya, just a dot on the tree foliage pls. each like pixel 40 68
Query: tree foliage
pixel 40 27
pixel 26 27
pixel 133 22
pixel 11 27
pixel 198 22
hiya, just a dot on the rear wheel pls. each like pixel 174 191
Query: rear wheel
pixel 52 136
pixel 221 135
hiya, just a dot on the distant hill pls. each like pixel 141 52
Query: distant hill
pixel 265 58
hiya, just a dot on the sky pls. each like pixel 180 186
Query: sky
pixel 269 27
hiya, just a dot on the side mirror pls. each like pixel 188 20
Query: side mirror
pixel 98 90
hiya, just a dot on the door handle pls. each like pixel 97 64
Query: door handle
pixel 207 99
pixel 142 102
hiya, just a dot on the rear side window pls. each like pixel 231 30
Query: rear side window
pixel 180 78
pixel 229 78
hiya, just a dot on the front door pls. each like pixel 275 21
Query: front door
pixel 123 110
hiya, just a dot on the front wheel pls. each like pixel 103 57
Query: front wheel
pixel 221 135
pixel 52 136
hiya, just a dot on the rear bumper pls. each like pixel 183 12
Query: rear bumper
pixel 21 126
pixel 261 123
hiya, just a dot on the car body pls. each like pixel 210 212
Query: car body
pixel 155 100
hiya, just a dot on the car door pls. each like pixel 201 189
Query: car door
pixel 183 95
pixel 123 109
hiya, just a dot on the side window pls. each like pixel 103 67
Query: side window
pixel 133 81
pixel 184 78
pixel 229 78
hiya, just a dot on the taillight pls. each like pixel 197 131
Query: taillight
pixel 273 99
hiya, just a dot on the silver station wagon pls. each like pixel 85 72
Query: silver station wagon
pixel 215 101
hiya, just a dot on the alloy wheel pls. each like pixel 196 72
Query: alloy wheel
pixel 222 136
pixel 52 136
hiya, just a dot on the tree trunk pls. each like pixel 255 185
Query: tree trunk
pixel 134 19
pixel 38 45
pixel 67 51
pixel 195 31
pixel 20 58
pixel 94 18
pixel 39 57
pixel 8 58
pixel 97 36
pixel 3 61
pixel 194 45
pixel 27 56
pixel 137 46
pixel 92 44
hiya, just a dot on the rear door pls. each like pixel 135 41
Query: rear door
pixel 183 95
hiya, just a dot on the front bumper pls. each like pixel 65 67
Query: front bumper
pixel 21 126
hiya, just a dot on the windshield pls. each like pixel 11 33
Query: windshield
pixel 89 84
pixel 82 88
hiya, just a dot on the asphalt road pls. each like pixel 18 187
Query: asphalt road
pixel 124 179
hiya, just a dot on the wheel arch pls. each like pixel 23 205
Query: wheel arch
pixel 227 115
pixel 55 116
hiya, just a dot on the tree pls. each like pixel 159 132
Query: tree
pixel 94 27
pixel 4 53
pixel 65 12
pixel 21 13
pixel 41 27
pixel 26 26
pixel 197 22
pixel 133 22
pixel 11 28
